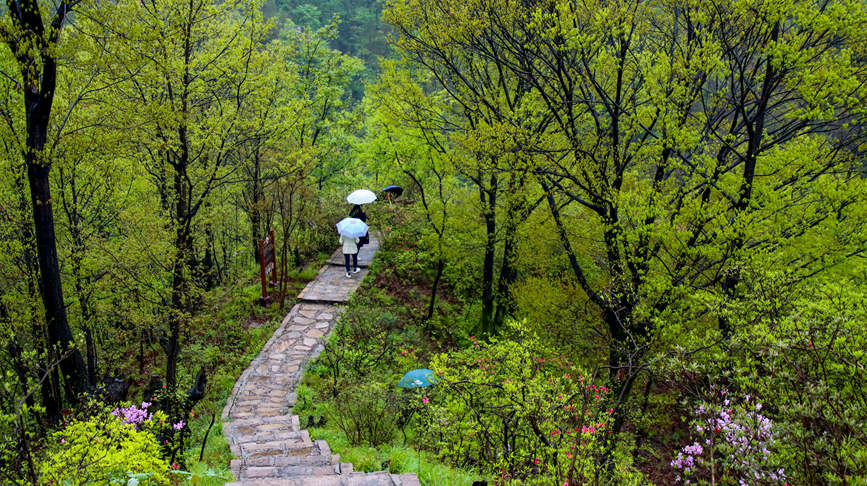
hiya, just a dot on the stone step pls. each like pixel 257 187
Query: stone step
pixel 281 453
pixel 271 436
pixel 280 461
pixel 381 478
pixel 269 445
pixel 241 432
pixel 258 472
pixel 252 450
pixel 294 420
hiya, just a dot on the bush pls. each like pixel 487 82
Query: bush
pixel 801 355
pixel 367 414
pixel 517 413
pixel 103 450
pixel 732 442
pixel 362 342
pixel 809 368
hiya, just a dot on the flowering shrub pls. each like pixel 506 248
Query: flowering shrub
pixel 107 448
pixel 734 444
pixel 167 424
pixel 811 367
pixel 519 414
pixel 134 415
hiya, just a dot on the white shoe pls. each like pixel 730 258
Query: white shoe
pixel 356 270
pixel 348 275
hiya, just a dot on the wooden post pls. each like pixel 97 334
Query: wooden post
pixel 267 263
pixel 273 257
pixel 264 299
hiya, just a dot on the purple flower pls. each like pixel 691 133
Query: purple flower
pixel 738 434
pixel 133 415
pixel 179 425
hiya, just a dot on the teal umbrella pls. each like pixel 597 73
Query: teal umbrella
pixel 417 379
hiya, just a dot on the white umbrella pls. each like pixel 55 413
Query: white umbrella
pixel 361 196
pixel 352 227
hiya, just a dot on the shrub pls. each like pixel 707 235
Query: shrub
pixel 518 413
pixel 362 342
pixel 734 444
pixel 367 414
pixel 809 369
pixel 104 450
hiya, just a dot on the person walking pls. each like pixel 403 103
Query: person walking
pixel 358 212
pixel 350 251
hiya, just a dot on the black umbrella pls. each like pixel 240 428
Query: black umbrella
pixel 392 192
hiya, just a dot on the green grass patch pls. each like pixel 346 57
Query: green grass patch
pixel 396 458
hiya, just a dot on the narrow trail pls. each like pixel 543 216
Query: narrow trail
pixel 270 447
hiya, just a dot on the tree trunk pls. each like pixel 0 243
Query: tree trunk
pixel 255 232
pixel 255 205
pixel 508 275
pixel 38 66
pixel 86 317
pixel 179 277
pixel 433 292
pixel 57 325
pixel 37 328
pixel 78 250
pixel 91 355
pixel 489 201
pixel 177 312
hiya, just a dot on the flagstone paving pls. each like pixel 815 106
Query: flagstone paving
pixel 365 254
pixel 269 445
pixel 332 285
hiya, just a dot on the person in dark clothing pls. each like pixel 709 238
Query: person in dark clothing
pixel 358 212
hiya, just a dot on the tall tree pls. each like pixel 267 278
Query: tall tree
pixel 34 41
pixel 489 122
pixel 191 68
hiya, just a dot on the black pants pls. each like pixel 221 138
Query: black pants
pixel 354 260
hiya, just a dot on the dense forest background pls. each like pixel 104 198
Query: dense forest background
pixel 362 32
pixel 631 243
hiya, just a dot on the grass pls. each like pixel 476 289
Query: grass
pixel 401 459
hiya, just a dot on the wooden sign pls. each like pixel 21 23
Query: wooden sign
pixel 267 262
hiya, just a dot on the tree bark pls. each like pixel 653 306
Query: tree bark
pixel 516 212
pixel 35 53
pixel 57 324
pixel 489 201
pixel 179 277
pixel 433 293
pixel 178 309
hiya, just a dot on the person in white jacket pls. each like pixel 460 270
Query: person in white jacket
pixel 350 249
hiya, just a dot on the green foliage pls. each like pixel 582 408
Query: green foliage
pixel 810 365
pixel 520 412
pixel 367 414
pixel 201 475
pixel 362 32
pixel 398 458
pixel 362 343
pixel 103 450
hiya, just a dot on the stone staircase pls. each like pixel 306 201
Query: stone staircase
pixel 270 446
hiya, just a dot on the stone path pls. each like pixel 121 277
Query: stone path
pixel 365 255
pixel 268 442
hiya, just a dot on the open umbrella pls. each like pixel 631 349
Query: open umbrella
pixel 352 227
pixel 361 196
pixel 419 378
pixel 393 192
